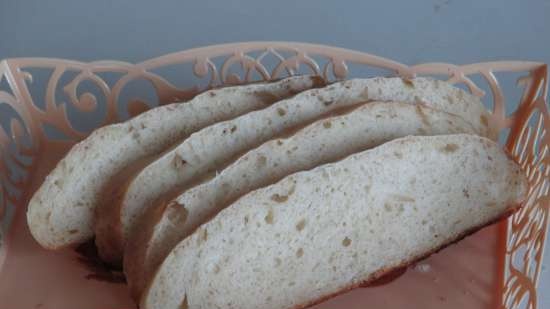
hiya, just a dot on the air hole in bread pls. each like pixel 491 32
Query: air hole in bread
pixel 484 120
pixel 326 101
pixel 449 148
pixel 300 225
pixel 278 262
pixel 269 217
pixel 400 208
pixel 178 161
pixel 177 213
pixel 279 198
pixel 299 253
pixel 261 161
pixel 202 237
pixel 136 136
pixel 267 97
pixel 407 82
pixel 58 183
pixel 346 242
pixel 281 111
pixel 184 304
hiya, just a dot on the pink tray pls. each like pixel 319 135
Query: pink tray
pixel 496 268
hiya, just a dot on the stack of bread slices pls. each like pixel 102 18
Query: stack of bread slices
pixel 279 195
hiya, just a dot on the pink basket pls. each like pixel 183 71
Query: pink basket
pixel 497 267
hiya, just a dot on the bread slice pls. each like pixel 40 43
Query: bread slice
pixel 324 141
pixel 322 232
pixel 206 150
pixel 61 212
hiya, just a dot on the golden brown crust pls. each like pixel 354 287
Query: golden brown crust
pixel 137 247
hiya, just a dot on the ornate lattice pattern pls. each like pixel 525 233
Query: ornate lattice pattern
pixel 23 136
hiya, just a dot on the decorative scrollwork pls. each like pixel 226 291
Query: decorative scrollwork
pixel 528 141
pixel 12 147
pixel 527 228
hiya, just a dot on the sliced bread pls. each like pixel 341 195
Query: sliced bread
pixel 209 149
pixel 61 211
pixel 322 232
pixel 324 141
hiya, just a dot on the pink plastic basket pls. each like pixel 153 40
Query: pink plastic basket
pixel 497 267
